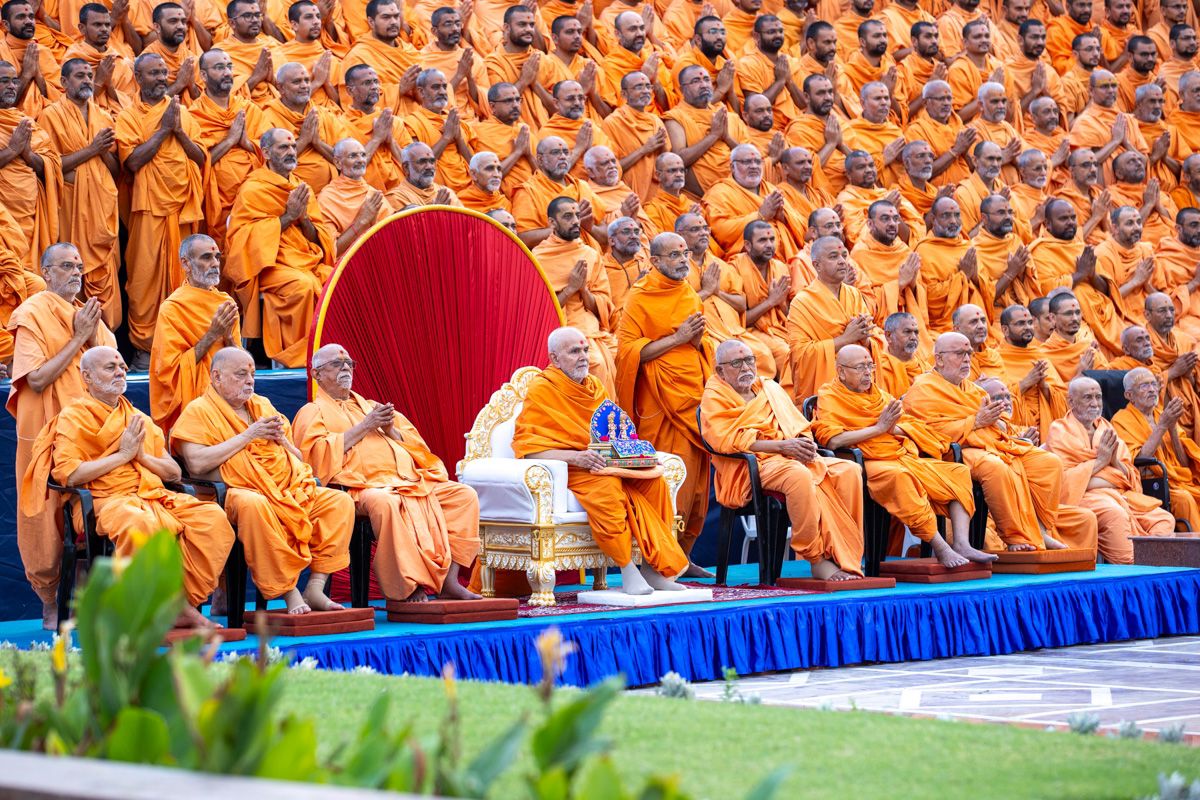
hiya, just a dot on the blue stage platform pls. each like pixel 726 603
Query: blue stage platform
pixel 912 622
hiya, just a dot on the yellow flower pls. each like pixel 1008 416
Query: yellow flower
pixel 58 655
pixel 5 681
pixel 553 652
pixel 138 537
pixel 449 683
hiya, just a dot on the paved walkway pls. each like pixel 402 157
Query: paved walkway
pixel 1155 683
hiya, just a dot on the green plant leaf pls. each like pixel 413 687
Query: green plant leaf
pixel 292 756
pixel 495 758
pixel 598 779
pixel 568 734
pixel 768 786
pixel 139 737
pixel 551 784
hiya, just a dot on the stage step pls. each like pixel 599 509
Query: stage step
pixel 815 585
pixel 453 612
pixel 929 570
pixel 223 634
pixel 1044 562
pixel 1181 550
pixel 314 623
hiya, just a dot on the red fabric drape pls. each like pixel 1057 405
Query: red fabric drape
pixel 437 308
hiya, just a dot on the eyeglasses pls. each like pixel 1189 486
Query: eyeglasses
pixel 74 266
pixel 738 363
pixel 956 353
pixel 250 15
pixel 861 368
pixel 338 364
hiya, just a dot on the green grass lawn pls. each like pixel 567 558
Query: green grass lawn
pixel 721 750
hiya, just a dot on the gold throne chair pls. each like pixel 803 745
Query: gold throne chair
pixel 528 519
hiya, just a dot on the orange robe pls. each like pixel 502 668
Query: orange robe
pixel 879 282
pixel 556 415
pixel 504 67
pixel 861 134
pixel 940 136
pixel 422 520
pixel 390 62
pixel 17 284
pixel 726 322
pixel 166 206
pixel 1021 482
pixel 1133 427
pixel 426 126
pixel 311 166
pixel 1060 32
pixel 771 326
pixel 433 57
pixel 815 318
pixel 622 276
pixel 1065 355
pixel 830 487
pixel 475 198
pixel 404 194
pixel 498 138
pixel 1121 509
pixel 991 253
pixel 32 201
pixel 965 78
pixel 619 62
pixel 1116 265
pixel 1158 225
pixel 855 202
pixel 912 489
pixel 713 164
pixel 228 173
pixel 895 376
pixel 176 378
pixel 946 286
pixel 341 200
pixel 1040 405
pixel 1025 200
pixel 557 258
pixel 665 208
pixel 729 207
pixel 662 394
pixel 41 327
pixel 122 75
pixel 88 211
pixel 285 521
pixel 384 170
pixel 288 269
pixel 1168 349
pixel 627 130
pixel 130 500
pixel 531 199
pixel 244 57
pixel 307 54
pixel 1175 267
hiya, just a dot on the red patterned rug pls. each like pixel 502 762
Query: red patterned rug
pixel 566 601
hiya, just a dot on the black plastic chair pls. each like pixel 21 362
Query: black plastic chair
pixel 770 521
pixel 95 545
pixel 360 558
pixel 977 532
pixel 1156 484
pixel 877 522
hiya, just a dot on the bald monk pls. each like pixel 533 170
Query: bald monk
pixel 804 186
pixel 993 126
pixel 949 266
pixel 1101 126
pixel 971 321
pixel 861 191
pixel 635 46
pixel 853 412
pixel 1099 475
pixel 194 322
pixel 50 332
pixel 285 521
pixel 383 48
pixel 746 196
pixel 1149 197
pixel 1082 190
pixel 719 285
pixel 1175 357
pixel 701 131
pixel 637 133
pixel 670 202
pixel 504 134
pixel 487 178
pixel 553 179
pixel 664 357
pixel 614 197
pixel 279 246
pixel 826 316
pixel 30 172
pixel 101 443
pixel 518 62
pixel 1022 483
pixel 82 133
pixel 742 412
pixel 351 205
pixel 874 133
pixel 889 272
pixel 570 123
pixel 157 142
pixel 1151 430
pixel 446 52
pixel 1071 348
pixel 225 120
pixel 1045 136
pixel 899 362
pixel 578 277
pixel 426 526
pixel 315 128
pixel 1002 255
pixel 1040 394
pixel 553 424
pixel 983 182
pixel 938 126
pixel 440 129
pixel 506 219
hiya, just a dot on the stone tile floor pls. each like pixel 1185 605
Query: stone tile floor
pixel 1155 683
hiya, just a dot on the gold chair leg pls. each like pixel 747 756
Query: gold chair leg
pixel 487 579
pixel 600 579
pixel 541 580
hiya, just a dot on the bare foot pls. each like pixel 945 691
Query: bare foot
pixel 1052 543
pixel 658 582
pixel 632 581
pixel 696 571
pixel 315 597
pixel 295 602
pixel 964 549
pixel 946 555
pixel 418 596
pixel 1020 548
pixel 191 618
pixel 453 590
pixel 50 616
pixel 220 603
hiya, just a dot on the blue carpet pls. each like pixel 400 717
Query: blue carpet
pixel 1005 614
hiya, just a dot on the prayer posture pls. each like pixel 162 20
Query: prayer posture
pixel 853 412
pixel 1099 475
pixel 351 204
pixel 1152 430
pixel 286 523
pixel 744 413
pixel 103 444
pixel 195 321
pixel 899 362
pixel 426 525
pixel 51 330
pixel 664 358
pixel 1021 483
pixel 279 246
pixel 554 423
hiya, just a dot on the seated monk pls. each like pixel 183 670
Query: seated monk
pixel 553 179
pixel 426 525
pixel 1151 430
pixel 193 323
pixel 1043 322
pixel 861 193
pixel 949 267
pixel 1099 475
pixel 1021 482
pixel 281 247
pixel 998 392
pixel 1177 259
pixel 970 320
pixel 487 176
pixel 766 287
pixel 350 204
pixel 418 187
pixel 504 218
pixel 826 316
pixel 555 423
pixel 889 274
pixel 664 357
pixel 575 272
pixel 899 364
pixel 1071 348
pixel 103 444
pixel 853 412
pixel 1175 356
pixel 626 261
pixel 285 521
pixel 744 413
pixel 1040 394
pixel 669 203
pixel 744 197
